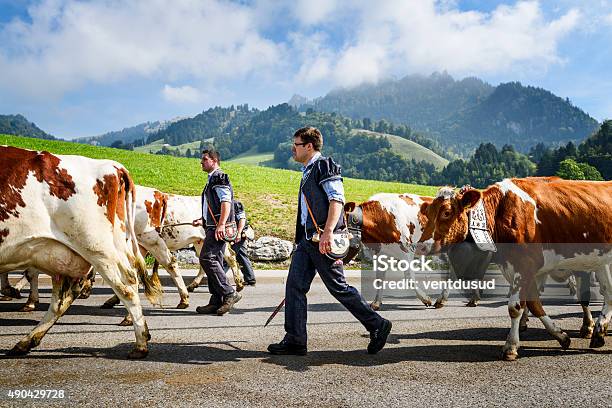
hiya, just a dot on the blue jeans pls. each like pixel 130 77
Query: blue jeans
pixel 306 261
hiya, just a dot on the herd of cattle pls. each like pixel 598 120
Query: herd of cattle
pixel 71 217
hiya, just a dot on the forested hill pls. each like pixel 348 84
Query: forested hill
pixel 462 114
pixel 19 125
pixel 127 135
pixel 236 130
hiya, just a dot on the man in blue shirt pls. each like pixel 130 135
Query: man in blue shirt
pixel 217 208
pixel 321 199
pixel 239 246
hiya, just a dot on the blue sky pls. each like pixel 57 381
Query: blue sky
pixel 81 68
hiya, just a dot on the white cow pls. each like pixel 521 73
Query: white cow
pixel 163 224
pixel 65 215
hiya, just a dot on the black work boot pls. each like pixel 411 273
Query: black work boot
pixel 286 348
pixel 378 337
pixel 208 309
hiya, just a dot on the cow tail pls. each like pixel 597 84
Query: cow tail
pixel 152 285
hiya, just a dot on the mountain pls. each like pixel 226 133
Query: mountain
pixel 461 114
pixel 129 134
pixel 20 126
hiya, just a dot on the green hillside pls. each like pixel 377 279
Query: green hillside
pixel 252 157
pixel 270 195
pixel 408 149
pixel 157 145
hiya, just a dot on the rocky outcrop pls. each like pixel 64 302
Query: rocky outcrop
pixel 269 249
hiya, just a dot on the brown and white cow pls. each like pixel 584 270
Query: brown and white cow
pixel 163 225
pixel 64 215
pixel 539 224
pixel 388 218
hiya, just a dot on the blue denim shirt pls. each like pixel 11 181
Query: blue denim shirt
pixel 333 188
pixel 223 192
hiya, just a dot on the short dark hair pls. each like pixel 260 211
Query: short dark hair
pixel 312 135
pixel 213 154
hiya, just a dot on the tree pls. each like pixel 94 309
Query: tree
pixel 570 170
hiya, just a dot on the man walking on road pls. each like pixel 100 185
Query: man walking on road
pixel 321 196
pixel 217 208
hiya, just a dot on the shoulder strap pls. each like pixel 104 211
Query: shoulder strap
pixel 210 211
pixel 311 216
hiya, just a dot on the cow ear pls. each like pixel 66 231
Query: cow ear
pixel 349 207
pixel 424 208
pixel 470 199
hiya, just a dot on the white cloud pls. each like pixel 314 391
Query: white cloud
pixel 608 19
pixel 310 12
pixel 70 43
pixel 182 94
pixel 398 37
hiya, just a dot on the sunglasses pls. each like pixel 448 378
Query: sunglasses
pixel 299 144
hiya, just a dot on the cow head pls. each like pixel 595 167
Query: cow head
pixel 447 216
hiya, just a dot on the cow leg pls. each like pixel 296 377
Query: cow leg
pixel 474 298
pixel 524 320
pixel 172 269
pixel 8 291
pixel 420 294
pixel 30 305
pixel 197 281
pixel 443 298
pixel 230 258
pixel 515 310
pixel 110 302
pixel 583 282
pixel 65 291
pixel 377 303
pixel 604 275
pixel 128 295
pixel 535 307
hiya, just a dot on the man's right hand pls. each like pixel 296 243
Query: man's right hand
pixel 197 222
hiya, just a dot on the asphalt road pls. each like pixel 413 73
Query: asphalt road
pixel 435 357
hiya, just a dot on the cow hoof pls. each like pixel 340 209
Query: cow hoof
pixel 471 303
pixel 18 351
pixel 182 305
pixel 597 340
pixel 107 305
pixel 239 287
pixel 127 321
pixel 510 355
pixel 586 331
pixel 439 304
pixel 375 306
pixel 191 288
pixel 5 298
pixel 137 354
pixel 522 327
pixel 11 292
pixel 564 341
pixel 28 308
pixel 427 302
pixel 85 295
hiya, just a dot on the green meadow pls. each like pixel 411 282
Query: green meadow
pixel 269 195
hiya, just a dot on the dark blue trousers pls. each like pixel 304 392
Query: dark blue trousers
pixel 306 261
pixel 211 259
pixel 243 260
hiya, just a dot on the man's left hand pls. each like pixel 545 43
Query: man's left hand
pixel 325 242
pixel 220 232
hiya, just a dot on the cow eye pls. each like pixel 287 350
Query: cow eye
pixel 446 214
